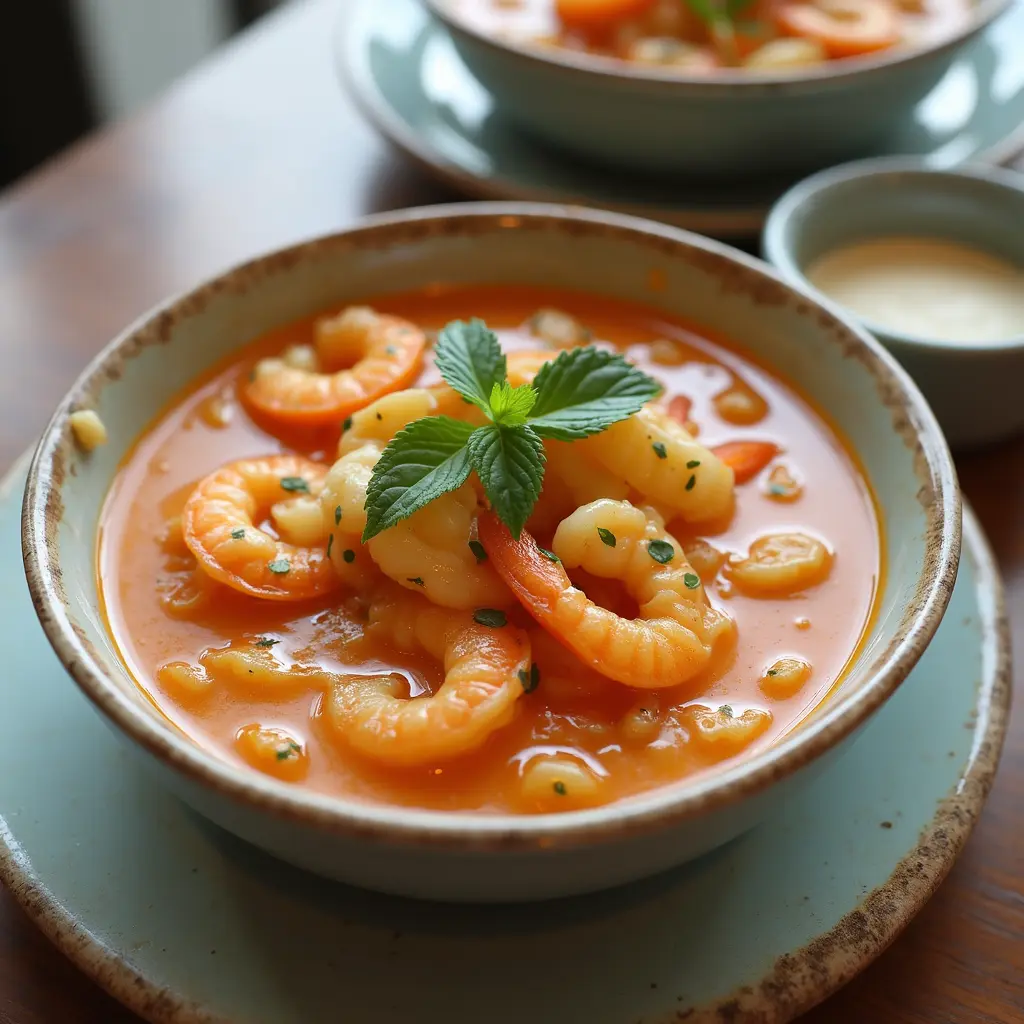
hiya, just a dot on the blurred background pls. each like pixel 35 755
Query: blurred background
pixel 72 65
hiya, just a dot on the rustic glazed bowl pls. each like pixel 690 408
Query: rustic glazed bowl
pixel 974 387
pixel 734 124
pixel 502 857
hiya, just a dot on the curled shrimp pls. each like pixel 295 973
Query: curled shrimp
pixel 487 669
pixel 673 637
pixel 387 352
pixel 659 458
pixel 218 525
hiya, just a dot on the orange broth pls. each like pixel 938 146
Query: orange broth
pixel 823 625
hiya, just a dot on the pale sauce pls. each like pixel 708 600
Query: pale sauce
pixel 928 288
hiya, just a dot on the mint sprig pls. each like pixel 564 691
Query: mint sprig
pixel 581 392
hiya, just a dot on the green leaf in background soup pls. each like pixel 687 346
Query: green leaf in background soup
pixel 585 391
pixel 510 464
pixel 470 359
pixel 425 460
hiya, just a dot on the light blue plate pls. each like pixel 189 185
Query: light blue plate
pixel 402 69
pixel 185 924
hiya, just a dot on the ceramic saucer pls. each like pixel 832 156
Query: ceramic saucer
pixel 402 69
pixel 188 926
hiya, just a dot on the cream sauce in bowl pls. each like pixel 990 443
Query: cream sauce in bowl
pixel 925 287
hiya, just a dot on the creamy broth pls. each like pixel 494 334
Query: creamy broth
pixel 925 287
pixel 766 35
pixel 814 485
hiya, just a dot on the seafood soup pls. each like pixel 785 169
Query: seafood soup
pixel 703 36
pixel 489 549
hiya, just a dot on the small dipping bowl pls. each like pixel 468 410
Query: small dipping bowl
pixel 974 387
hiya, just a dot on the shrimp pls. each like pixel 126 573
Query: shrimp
pixel 218 525
pixel 659 458
pixel 487 669
pixel 389 352
pixel 677 630
pixel 342 507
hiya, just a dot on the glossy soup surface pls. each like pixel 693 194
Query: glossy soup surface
pixel 764 35
pixel 624 741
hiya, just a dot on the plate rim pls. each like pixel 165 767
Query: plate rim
pixel 741 221
pixel 797 981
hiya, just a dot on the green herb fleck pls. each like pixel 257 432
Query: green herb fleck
pixel 391 350
pixel 693 464
pixel 347 425
pixel 279 566
pixel 294 483
pixel 692 580
pixel 777 490
pixel 559 788
pixel 349 555
pixel 478 549
pixel 330 544
pixel 727 710
pixel 285 752
pixel 773 672
pixel 266 641
pixel 661 551
pixel 238 534
pixel 494 617
pixel 418 580
pixel 691 482
pixel 380 416
pixel 607 537
pixel 660 450
pixel 337 514
pixel 531 679
pixel 549 555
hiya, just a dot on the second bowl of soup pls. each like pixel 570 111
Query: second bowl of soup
pixel 712 89
pixel 492 553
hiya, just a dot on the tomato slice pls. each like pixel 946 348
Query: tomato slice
pixel 845 28
pixel 598 14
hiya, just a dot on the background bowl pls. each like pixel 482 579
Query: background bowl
pixel 502 857
pixel 974 387
pixel 734 124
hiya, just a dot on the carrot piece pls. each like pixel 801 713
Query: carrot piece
pixel 679 409
pixel 845 28
pixel 746 458
pixel 598 14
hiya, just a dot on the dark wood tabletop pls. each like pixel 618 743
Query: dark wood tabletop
pixel 259 148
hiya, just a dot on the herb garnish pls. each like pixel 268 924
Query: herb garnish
pixel 337 514
pixel 493 617
pixel 346 426
pixel 294 483
pixel 549 555
pixel 418 580
pixel 691 482
pixel 285 752
pixel 330 544
pixel 693 464
pixel 661 551
pixel 349 555
pixel 607 537
pixel 692 580
pixel 238 533
pixel 266 641
pixel 581 392
pixel 530 680
pixel 279 566
pixel 559 788
pixel 660 450
pixel 478 549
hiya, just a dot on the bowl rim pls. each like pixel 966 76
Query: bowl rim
pixel 912 420
pixel 817 193
pixel 723 81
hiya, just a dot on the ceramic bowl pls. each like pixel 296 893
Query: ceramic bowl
pixel 735 124
pixel 973 387
pixel 455 856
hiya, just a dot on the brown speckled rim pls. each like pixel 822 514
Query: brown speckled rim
pixel 913 425
pixel 724 82
pixel 797 981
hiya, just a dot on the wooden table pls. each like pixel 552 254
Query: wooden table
pixel 259 148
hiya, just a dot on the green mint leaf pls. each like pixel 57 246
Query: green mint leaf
pixel 585 391
pixel 295 484
pixel 692 580
pixel 607 537
pixel 493 617
pixel 421 462
pixel 470 359
pixel 479 550
pixel 661 551
pixel 510 464
pixel 511 406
